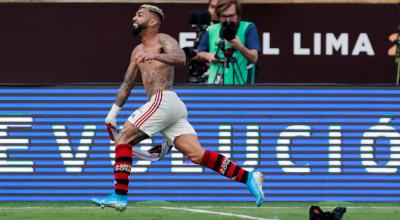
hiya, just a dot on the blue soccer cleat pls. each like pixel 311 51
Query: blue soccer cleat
pixel 118 202
pixel 254 184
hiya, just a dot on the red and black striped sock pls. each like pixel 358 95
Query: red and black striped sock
pixel 224 166
pixel 122 168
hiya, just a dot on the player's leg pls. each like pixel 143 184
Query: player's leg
pixel 129 136
pixel 139 126
pixel 144 122
pixel 189 145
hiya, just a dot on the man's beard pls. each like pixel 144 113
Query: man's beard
pixel 137 28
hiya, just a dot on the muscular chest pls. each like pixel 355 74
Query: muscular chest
pixel 151 67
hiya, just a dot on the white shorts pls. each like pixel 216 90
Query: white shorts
pixel 165 113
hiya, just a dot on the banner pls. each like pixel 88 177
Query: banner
pixel 311 143
pixel 300 43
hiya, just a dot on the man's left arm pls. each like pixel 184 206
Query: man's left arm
pixel 171 52
pixel 249 52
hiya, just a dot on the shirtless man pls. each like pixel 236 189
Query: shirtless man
pixel 164 112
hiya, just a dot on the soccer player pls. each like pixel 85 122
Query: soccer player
pixel 154 59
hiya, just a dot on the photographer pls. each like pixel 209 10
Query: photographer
pixel 196 67
pixel 230 46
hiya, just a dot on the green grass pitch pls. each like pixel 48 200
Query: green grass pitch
pixel 191 211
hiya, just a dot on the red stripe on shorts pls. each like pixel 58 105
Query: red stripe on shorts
pixel 150 111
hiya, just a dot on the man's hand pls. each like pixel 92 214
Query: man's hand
pixel 110 120
pixel 250 54
pixel 210 57
pixel 112 115
pixel 143 56
pixel 234 43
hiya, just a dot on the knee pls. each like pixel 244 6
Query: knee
pixel 132 138
pixel 121 138
pixel 196 157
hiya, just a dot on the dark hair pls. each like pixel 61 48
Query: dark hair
pixel 223 5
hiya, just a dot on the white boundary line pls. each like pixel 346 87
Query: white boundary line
pixel 217 213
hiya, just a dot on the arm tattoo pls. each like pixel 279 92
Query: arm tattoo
pixel 173 54
pixel 127 84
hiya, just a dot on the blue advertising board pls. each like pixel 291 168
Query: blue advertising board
pixel 312 143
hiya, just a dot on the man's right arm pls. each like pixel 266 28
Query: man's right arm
pixel 209 57
pixel 124 91
pixel 203 49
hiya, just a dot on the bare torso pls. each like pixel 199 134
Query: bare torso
pixel 154 60
pixel 155 75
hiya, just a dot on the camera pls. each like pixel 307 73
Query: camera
pixel 196 70
pixel 199 20
pixel 228 30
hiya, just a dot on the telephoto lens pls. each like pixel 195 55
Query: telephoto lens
pixel 228 30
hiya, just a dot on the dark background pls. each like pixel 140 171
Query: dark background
pixel 91 42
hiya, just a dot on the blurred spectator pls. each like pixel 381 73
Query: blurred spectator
pixel 212 5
